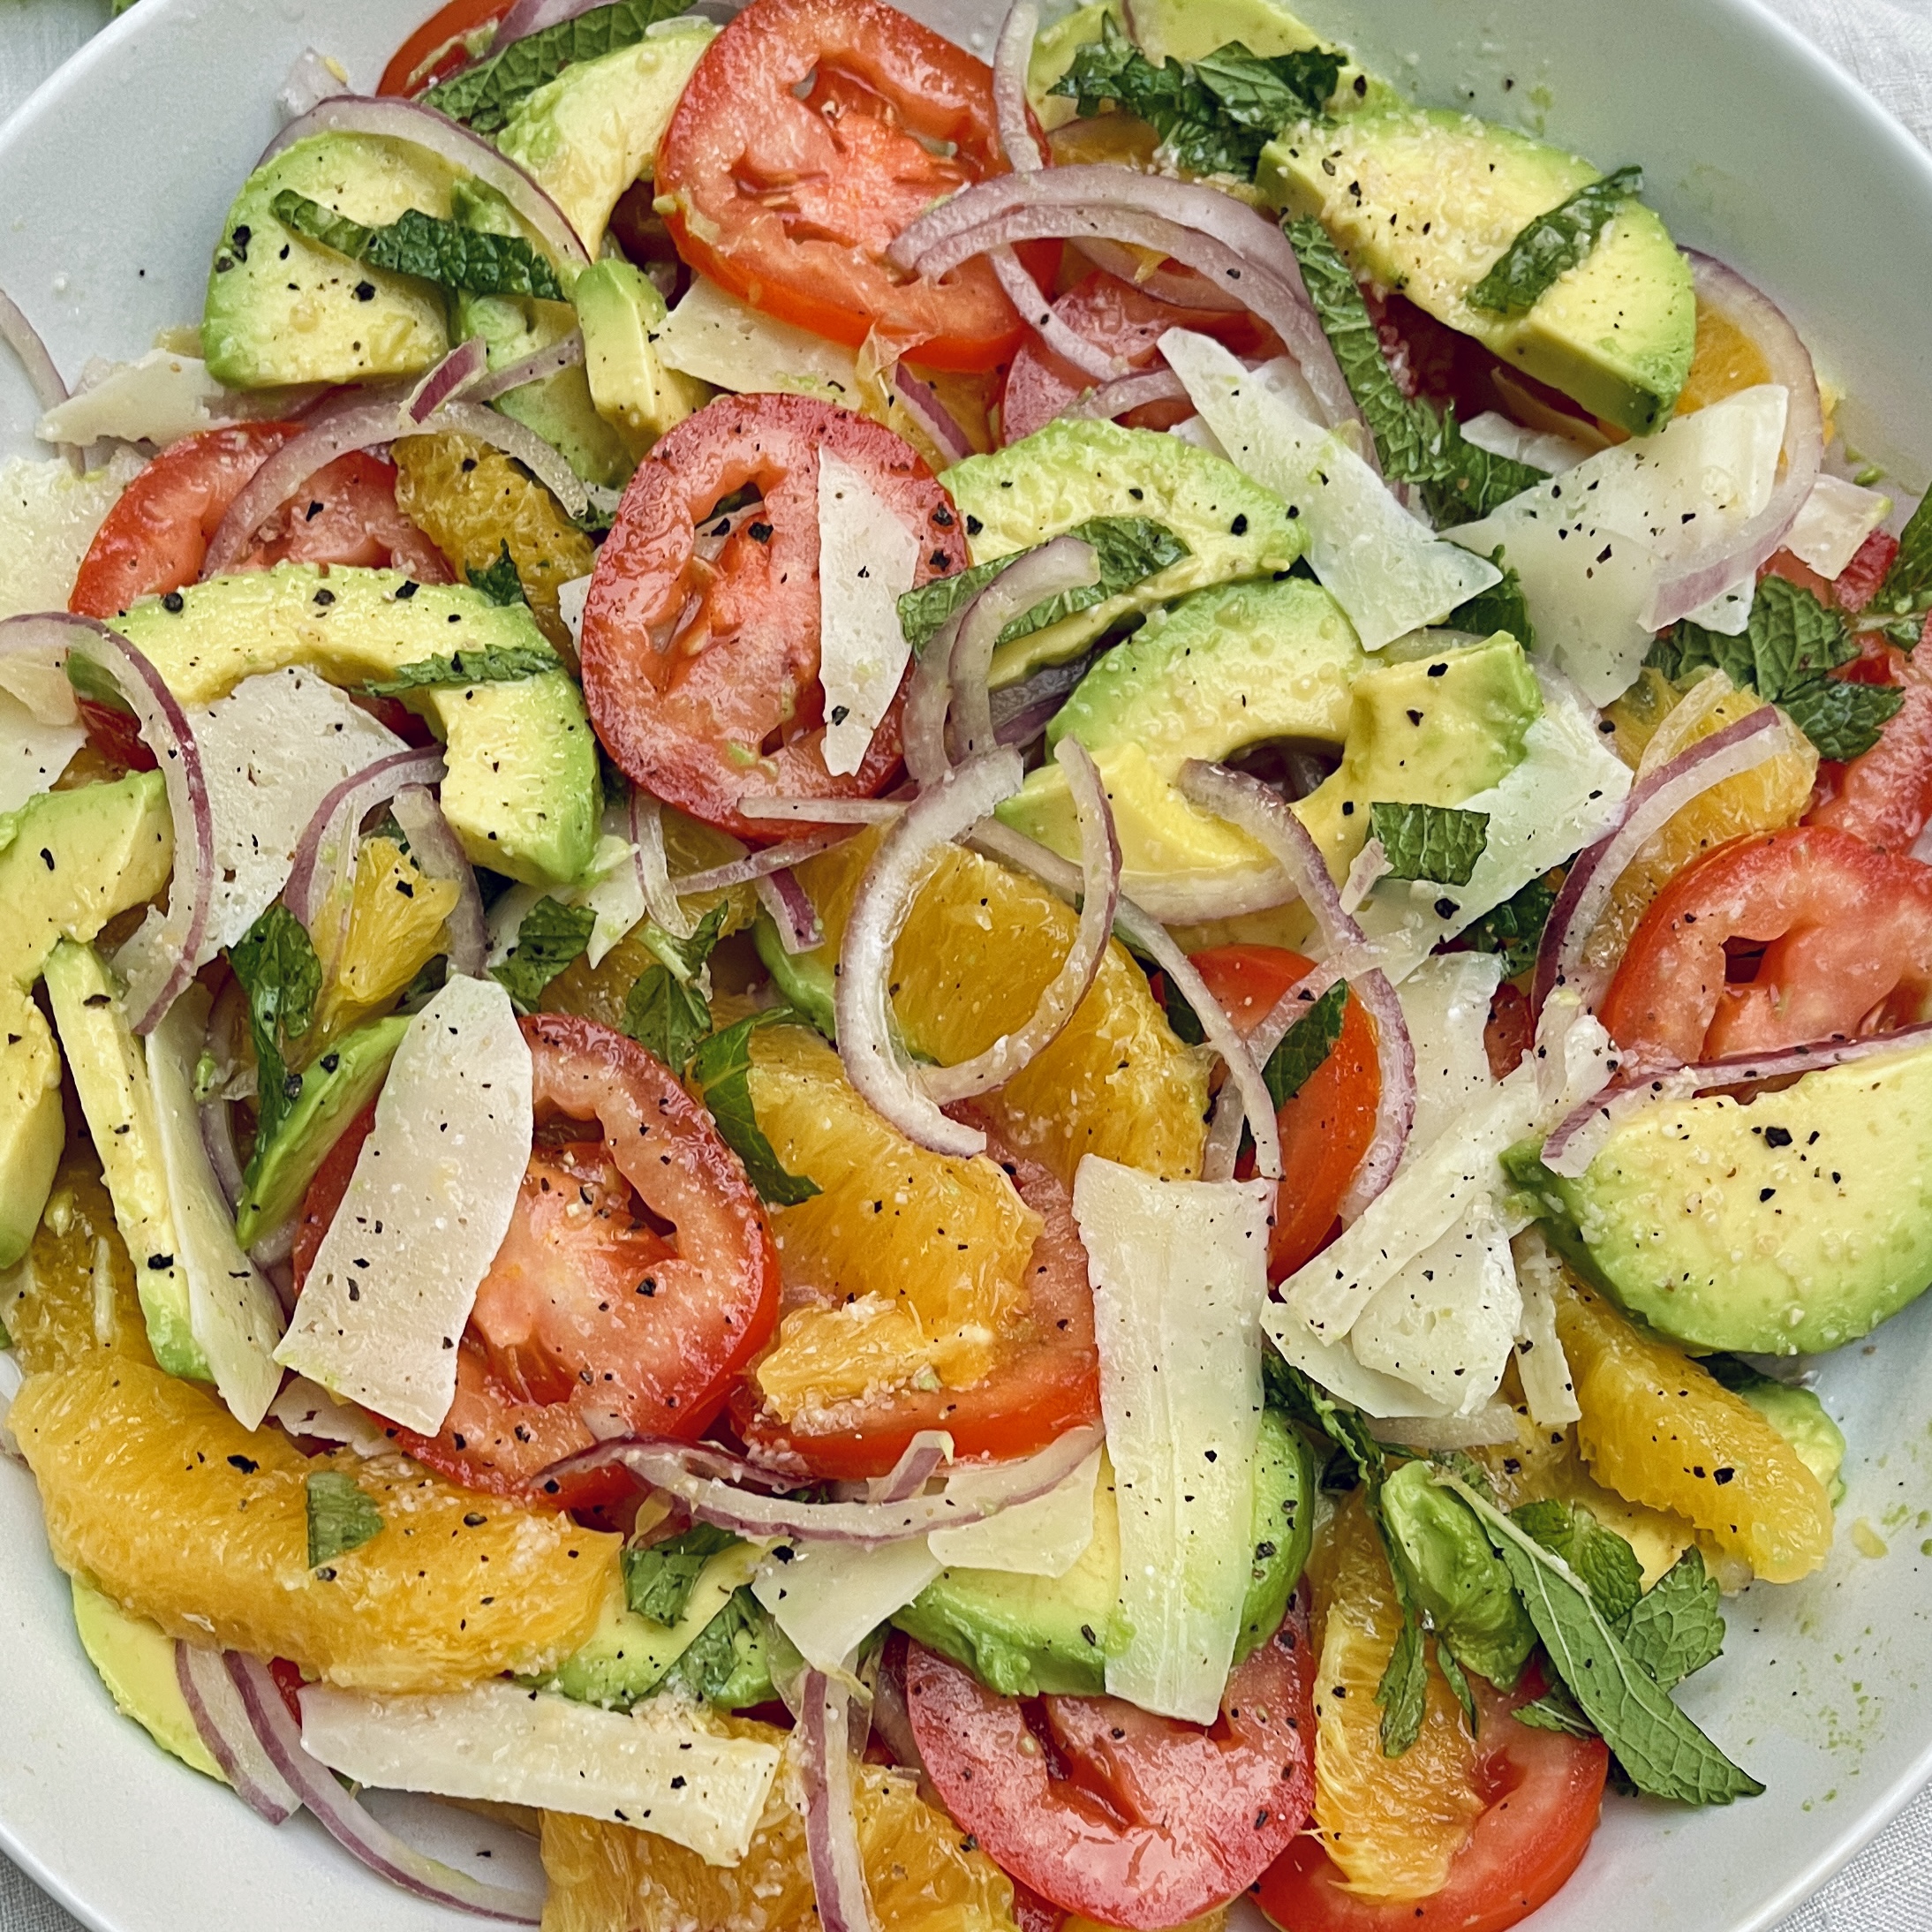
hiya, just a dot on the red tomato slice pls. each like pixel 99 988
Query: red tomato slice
pixel 1544 1793
pixel 1108 1811
pixel 1046 1382
pixel 1326 1128
pixel 1127 322
pixel 702 678
pixel 155 538
pixel 590 1312
pixel 791 202
pixel 440 47
pixel 1846 938
pixel 1855 586
pixel 1885 795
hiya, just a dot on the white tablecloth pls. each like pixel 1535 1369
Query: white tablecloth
pixel 1887 46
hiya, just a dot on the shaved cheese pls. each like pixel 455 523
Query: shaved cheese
pixel 32 754
pixel 272 750
pixel 1590 545
pixel 1540 448
pixel 610 886
pixel 1445 1005
pixel 1045 1538
pixel 1384 569
pixel 233 1313
pixel 1492 1425
pixel 427 1207
pixel 1180 1280
pixel 306 1409
pixel 867 559
pixel 730 344
pixel 1446 1321
pixel 1541 1364
pixel 657 1767
pixel 1332 1365
pixel 159 397
pixel 48 518
pixel 1834 524
pixel 571 597
pixel 827 1597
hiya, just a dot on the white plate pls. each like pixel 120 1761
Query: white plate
pixel 113 181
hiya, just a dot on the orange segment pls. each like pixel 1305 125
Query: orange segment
pixel 923 1875
pixel 74 1295
pixel 1658 1428
pixel 981 944
pixel 1725 361
pixel 1392 1825
pixel 393 930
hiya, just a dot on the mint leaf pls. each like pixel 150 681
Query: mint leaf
pixel 1515 928
pixel 1793 638
pixel 1403 1691
pixel 1440 843
pixel 729 1662
pixel 1553 244
pixel 499 581
pixel 1677 1627
pixel 1471 482
pixel 551 937
pixel 666 1011
pixel 488 664
pixel 721 1071
pixel 1502 606
pixel 658 1579
pixel 276 965
pixel 1556 1710
pixel 1844 721
pixel 427 246
pixel 1663 1752
pixel 1306 1046
pixel 1908 582
pixel 1128 550
pixel 1607 1565
pixel 486 94
pixel 341 1516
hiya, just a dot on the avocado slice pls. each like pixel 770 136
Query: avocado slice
pixel 1426 201
pixel 282 309
pixel 620 311
pixel 1787 1226
pixel 1028 1636
pixel 522 791
pixel 334 1091
pixel 136 1661
pixel 804 978
pixel 1076 468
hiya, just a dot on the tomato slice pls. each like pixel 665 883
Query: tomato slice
pixel 637 1278
pixel 1846 932
pixel 702 677
pixel 441 46
pixel 1544 1793
pixel 1854 586
pixel 792 201
pixel 156 536
pixel 1885 795
pixel 1326 1128
pixel 1046 1381
pixel 1106 1810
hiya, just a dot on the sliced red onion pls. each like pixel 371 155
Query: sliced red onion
pixel 923 1457
pixel 1747 1069
pixel 439 854
pixel 929 696
pixel 1651 805
pixel 867 1044
pixel 1036 311
pixel 792 910
pixel 462 368
pixel 217 1122
pixel 345 1820
pixel 892 1721
pixel 832 1848
pixel 1181 289
pixel 1230 1117
pixel 822 810
pixel 325 857
pixel 309 82
pixel 741 872
pixel 1371 864
pixel 391 118
pixel 1115 399
pixel 1691 582
pixel 1580 1136
pixel 653 872
pixel 565 354
pixel 221 1719
pixel 1060 998
pixel 921 402
pixel 517 439
pixel 1022 712
pixel 719 1488
pixel 1012 53
pixel 20 335
pixel 1064 564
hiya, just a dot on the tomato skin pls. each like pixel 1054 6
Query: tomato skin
pixel 1854 586
pixel 1545 1792
pixel 1046 1381
pixel 1326 1128
pixel 436 51
pixel 791 203
pixel 688 715
pixel 1885 795
pixel 1847 937
pixel 1511 1031
pixel 1108 1811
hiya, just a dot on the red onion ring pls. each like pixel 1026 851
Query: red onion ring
pixel 1181 289
pixel 822 810
pixel 517 439
pixel 1036 311
pixel 390 118
pixel 1115 399
pixel 743 870
pixel 862 1004
pixel 20 335
pixel 1012 53
pixel 792 910
pixel 1579 1138
pixel 920 1461
pixel 1229 1117
pixel 1060 1000
pixel 1650 807
pixel 462 368
pixel 221 1721
pixel 1022 712
pixel 1689 584
pixel 350 1824
pixel 439 854
pixel 216 1122
pixel 567 354
pixel 326 856
pixel 921 402
pixel 832 1848
pixel 653 873
pixel 892 1721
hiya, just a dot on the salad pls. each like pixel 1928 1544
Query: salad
pixel 949 996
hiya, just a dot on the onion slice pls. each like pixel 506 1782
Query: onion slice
pixel 566 354
pixel 22 336
pixel 654 871
pixel 1064 564
pixel 439 854
pixel 1115 399
pixel 517 439
pixel 462 368
pixel 792 910
pixel 751 865
pixel 221 1719
pixel 822 810
pixel 1060 998
pixel 832 1848
pixel 921 402
pixel 1178 288
pixel 922 1459
pixel 345 1820
pixel 1651 805
pixel 326 856
pixel 1012 53
pixel 1229 1116
pixel 1036 311
pixel 217 1124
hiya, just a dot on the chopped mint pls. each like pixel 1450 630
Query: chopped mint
pixel 342 1517
pixel 1869 476
pixel 429 248
pixel 486 94
pixel 1215 115
pixel 729 1662
pixel 667 1012
pixel 490 664
pixel 1908 582
pixel 1128 550
pixel 1605 1563
pixel 1554 244
pixel 501 583
pixel 1677 1627
pixel 1515 928
pixel 1842 720
pixel 1440 843
pixel 551 937
pixel 276 962
pixel 721 1071
pixel 659 1581
pixel 1502 606
pixel 1306 1046
pixel 1556 1710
